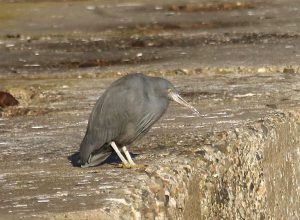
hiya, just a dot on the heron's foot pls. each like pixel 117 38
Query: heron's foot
pixel 132 166
pixel 124 165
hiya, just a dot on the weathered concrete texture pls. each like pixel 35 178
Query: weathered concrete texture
pixel 240 160
pixel 254 172
pixel 282 170
pixel 250 172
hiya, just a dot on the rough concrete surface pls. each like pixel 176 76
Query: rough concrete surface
pixel 236 62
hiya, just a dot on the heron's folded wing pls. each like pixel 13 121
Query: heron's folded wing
pixel 108 121
pixel 105 124
pixel 146 123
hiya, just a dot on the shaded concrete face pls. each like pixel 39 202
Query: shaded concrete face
pixel 282 171
pixel 236 62
pixel 246 183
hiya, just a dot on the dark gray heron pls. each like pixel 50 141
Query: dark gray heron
pixel 126 111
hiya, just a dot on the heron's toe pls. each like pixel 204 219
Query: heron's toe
pixel 125 166
pixel 132 166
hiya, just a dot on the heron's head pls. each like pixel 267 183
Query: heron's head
pixel 173 94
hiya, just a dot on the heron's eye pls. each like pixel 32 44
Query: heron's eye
pixel 169 90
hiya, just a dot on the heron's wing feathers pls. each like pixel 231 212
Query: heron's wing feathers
pixel 146 122
pixel 108 119
pixel 105 123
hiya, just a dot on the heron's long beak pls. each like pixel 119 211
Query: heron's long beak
pixel 177 98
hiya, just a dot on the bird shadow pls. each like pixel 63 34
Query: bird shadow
pixel 112 159
pixel 74 159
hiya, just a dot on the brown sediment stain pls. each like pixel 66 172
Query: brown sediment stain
pixel 162 41
pixel 187 25
pixel 105 62
pixel 196 7
pixel 91 52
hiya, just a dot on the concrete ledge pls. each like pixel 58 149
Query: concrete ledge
pixel 240 160
pixel 250 172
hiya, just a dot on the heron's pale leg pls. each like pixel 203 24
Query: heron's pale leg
pixel 127 154
pixel 114 146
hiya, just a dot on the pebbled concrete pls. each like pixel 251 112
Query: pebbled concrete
pixel 238 160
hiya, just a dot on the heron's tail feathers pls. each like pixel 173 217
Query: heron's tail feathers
pixel 96 157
